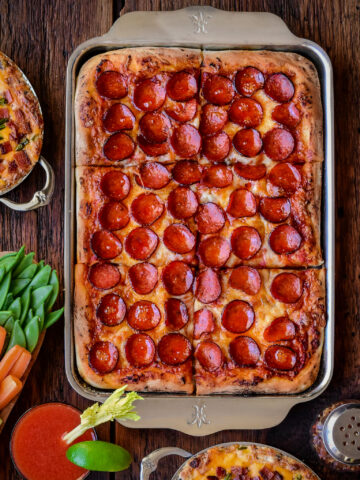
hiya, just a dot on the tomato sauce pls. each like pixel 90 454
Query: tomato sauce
pixel 37 448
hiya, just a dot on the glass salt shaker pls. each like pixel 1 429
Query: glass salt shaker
pixel 336 436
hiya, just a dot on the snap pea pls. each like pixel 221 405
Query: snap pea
pixel 17 336
pixel 2 273
pixel 41 278
pixel 6 257
pixel 4 289
pixel 53 317
pixel 9 324
pixel 25 303
pixel 29 316
pixel 40 295
pixel 32 333
pixel 54 282
pixel 15 307
pixel 28 272
pixel 18 285
pixel 4 316
pixel 40 312
pixel 25 262
pixel 11 262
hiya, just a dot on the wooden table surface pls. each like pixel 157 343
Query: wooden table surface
pixel 40 36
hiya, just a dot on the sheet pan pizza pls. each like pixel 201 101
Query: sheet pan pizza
pixel 199 263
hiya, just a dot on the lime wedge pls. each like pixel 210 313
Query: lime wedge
pixel 99 456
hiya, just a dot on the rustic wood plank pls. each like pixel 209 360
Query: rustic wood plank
pixel 332 24
pixel 40 40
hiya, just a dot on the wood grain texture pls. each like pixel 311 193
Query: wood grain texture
pixel 40 40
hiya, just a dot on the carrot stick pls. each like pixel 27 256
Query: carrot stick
pixel 9 360
pixel 2 338
pixel 21 364
pixel 9 388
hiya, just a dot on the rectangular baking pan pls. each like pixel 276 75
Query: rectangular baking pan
pixel 210 28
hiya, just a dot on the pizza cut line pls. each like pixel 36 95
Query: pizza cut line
pixel 198 180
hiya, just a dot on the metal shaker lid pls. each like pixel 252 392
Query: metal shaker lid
pixel 341 433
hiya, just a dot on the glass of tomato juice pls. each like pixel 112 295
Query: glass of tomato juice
pixel 37 448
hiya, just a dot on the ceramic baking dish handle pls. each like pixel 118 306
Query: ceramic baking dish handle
pixel 199 25
pixel 41 197
pixel 149 463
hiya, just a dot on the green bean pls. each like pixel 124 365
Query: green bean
pixel 40 295
pixel 29 316
pixel 40 312
pixel 2 273
pixel 8 301
pixel 54 282
pixel 4 289
pixel 25 262
pixel 25 304
pixel 18 285
pixel 32 333
pixel 9 324
pixel 4 316
pixel 53 317
pixel 28 272
pixel 41 278
pixel 15 307
pixel 17 336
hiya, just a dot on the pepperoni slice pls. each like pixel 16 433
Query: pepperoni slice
pixel 103 357
pixel 278 144
pixel 178 238
pixel 143 315
pixel 187 172
pixel 210 218
pixel 140 350
pixel 114 216
pixel 186 141
pixel 119 147
pixel 141 243
pixel 207 286
pixel 147 208
pixel 218 90
pixel 246 112
pixel 112 84
pixel 279 87
pixel 153 149
pixel 248 142
pixel 182 86
pixel 285 176
pixel 155 127
pixel 244 351
pixel 242 203
pixel 245 242
pixel 214 251
pixel 213 119
pixel 105 244
pixel 287 287
pixel 238 316
pixel 174 349
pixel 282 328
pixel 217 147
pixel 118 117
pixel 248 81
pixel 104 275
pixel 285 239
pixel 182 203
pixel 287 114
pixel 204 322
pixel 115 185
pixel 246 279
pixel 250 172
pixel 182 111
pixel 154 175
pixel 149 95
pixel 275 210
pixel 280 358
pixel 217 176
pixel 176 314
pixel 143 277
pixel 209 355
pixel 111 310
pixel 177 278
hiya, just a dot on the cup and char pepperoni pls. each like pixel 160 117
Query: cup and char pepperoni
pixel 111 310
pixel 244 351
pixel 143 277
pixel 141 243
pixel 118 117
pixel 280 329
pixel 238 316
pixel 113 216
pixel 106 245
pixel 178 238
pixel 187 172
pixel 115 185
pixel 245 242
pixel 182 203
pixel 143 315
pixel 209 218
pixel 119 146
pixel 287 287
pixel 140 350
pixel 209 355
pixel 246 279
pixel 207 288
pixel 285 239
pixel 104 275
pixel 204 322
pixel 174 349
pixel 153 175
pixel 147 208
pixel 214 251
pixel 111 84
pixel 177 278
pixel 176 314
pixel 103 357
